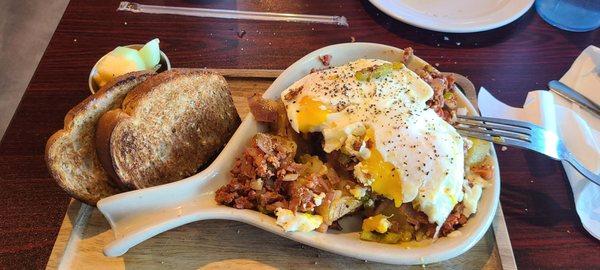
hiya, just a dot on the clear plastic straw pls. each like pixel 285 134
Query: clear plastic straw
pixel 232 14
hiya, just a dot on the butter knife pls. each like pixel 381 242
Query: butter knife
pixel 569 93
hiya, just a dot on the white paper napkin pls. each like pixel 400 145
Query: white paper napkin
pixel 579 129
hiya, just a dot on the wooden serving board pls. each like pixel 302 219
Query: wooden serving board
pixel 219 244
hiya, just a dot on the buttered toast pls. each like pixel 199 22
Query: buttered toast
pixel 71 152
pixel 166 128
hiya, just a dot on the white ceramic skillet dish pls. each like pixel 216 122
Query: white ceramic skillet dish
pixel 138 215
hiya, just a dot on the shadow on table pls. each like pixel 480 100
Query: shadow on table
pixel 449 40
pixel 80 215
pixel 535 206
pixel 581 40
pixel 542 166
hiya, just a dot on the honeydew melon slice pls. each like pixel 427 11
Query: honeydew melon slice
pixel 150 53
pixel 131 55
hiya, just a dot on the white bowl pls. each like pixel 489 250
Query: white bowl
pixel 164 62
pixel 138 215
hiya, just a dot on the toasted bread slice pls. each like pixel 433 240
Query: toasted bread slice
pixel 167 128
pixel 71 152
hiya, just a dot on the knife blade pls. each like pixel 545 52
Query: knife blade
pixel 569 93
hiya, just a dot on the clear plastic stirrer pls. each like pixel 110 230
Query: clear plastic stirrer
pixel 232 14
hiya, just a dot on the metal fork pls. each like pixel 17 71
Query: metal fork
pixel 521 134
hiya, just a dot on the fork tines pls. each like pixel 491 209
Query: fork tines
pixel 521 134
pixel 501 131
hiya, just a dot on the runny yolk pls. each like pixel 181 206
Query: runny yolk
pixel 386 178
pixel 378 223
pixel 311 114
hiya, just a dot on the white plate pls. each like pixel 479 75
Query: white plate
pixel 454 16
pixel 138 215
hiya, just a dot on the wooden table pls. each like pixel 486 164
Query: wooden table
pixel 536 197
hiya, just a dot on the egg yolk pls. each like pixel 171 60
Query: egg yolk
pixel 311 114
pixel 386 178
pixel 378 223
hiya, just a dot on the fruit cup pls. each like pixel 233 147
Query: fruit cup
pixel 164 63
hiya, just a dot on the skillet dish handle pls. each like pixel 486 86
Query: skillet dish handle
pixel 139 215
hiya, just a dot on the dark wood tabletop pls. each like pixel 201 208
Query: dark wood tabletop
pixel 537 200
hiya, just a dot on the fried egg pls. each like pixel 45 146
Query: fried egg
pixel 297 222
pixel 376 111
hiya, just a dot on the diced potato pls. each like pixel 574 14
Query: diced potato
pixel 477 152
pixel 371 236
pixel 339 206
pixel 387 238
pixel 484 169
pixel 406 236
pixel 313 165
pixel 343 206
pixel 419 235
pixel 391 238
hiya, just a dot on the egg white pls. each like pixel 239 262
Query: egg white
pixel 427 151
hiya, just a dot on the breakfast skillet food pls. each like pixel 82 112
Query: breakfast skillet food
pixel 370 138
